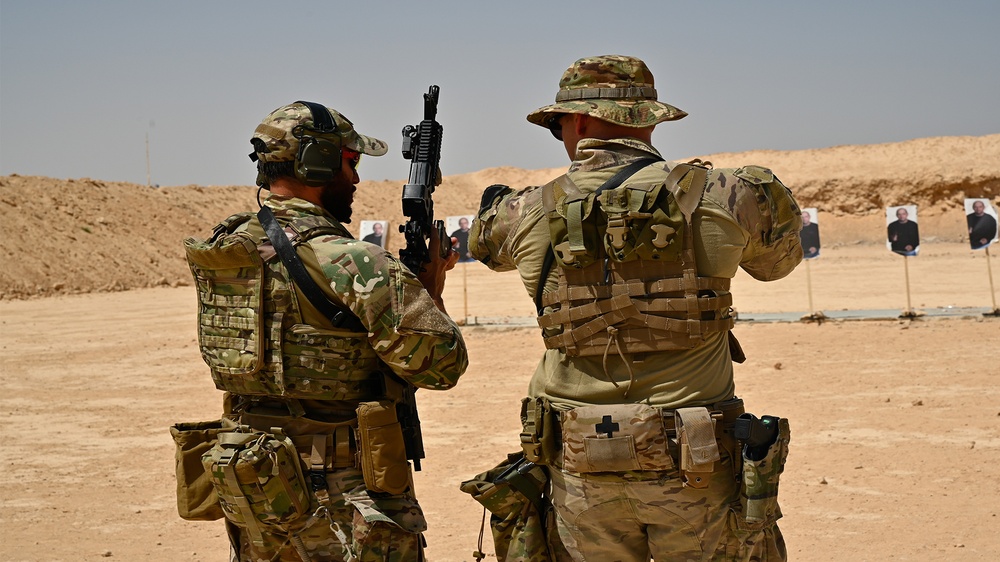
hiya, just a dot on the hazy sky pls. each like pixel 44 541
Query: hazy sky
pixel 83 82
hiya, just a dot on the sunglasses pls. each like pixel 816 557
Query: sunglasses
pixel 353 157
pixel 555 126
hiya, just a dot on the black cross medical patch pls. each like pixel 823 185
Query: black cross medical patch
pixel 606 426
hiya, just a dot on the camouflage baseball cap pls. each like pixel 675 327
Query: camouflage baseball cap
pixel 281 129
pixel 614 88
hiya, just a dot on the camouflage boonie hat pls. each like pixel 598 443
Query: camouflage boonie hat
pixel 278 132
pixel 614 88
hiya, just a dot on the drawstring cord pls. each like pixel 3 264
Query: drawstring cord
pixel 613 336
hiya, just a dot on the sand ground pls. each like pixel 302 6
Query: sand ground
pixel 896 424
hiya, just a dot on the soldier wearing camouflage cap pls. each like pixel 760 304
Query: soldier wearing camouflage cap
pixel 301 365
pixel 629 259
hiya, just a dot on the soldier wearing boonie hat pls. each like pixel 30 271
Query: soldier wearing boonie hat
pixel 300 358
pixel 629 260
pixel 613 88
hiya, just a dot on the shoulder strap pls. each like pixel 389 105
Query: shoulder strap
pixel 229 225
pixel 338 316
pixel 613 182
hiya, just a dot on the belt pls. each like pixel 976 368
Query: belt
pixel 336 439
pixel 729 410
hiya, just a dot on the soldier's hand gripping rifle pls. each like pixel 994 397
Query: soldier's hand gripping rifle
pixel 422 147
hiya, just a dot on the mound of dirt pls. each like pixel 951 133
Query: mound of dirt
pixel 85 235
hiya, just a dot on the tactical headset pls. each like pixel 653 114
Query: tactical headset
pixel 319 158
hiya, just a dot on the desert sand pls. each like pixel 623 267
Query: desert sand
pixel 895 448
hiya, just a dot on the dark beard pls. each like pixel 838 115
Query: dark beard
pixel 336 198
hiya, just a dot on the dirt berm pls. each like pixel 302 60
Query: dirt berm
pixel 85 235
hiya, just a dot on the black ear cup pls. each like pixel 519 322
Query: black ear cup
pixel 318 160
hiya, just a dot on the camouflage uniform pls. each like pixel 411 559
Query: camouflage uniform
pixel 635 514
pixel 315 374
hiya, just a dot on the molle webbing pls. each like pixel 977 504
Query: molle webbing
pixel 638 305
pixel 251 330
pixel 661 314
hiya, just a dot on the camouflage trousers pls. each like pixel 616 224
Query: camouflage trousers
pixel 632 517
pixel 356 528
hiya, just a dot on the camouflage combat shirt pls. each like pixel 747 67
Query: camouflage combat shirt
pixel 513 233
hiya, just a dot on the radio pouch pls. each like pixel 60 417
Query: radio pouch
pixel 382 451
pixel 698 448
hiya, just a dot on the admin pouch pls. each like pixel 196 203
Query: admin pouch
pixel 382 453
pixel 259 479
pixel 614 438
pixel 514 494
pixel 196 497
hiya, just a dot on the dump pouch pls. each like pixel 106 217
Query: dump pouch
pixel 196 496
pixel 382 451
pixel 759 492
pixel 260 481
pixel 514 494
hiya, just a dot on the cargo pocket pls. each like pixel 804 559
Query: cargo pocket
pixel 386 525
pixel 760 541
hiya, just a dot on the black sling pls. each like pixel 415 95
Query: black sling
pixel 339 317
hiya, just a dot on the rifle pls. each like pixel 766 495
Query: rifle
pixel 422 147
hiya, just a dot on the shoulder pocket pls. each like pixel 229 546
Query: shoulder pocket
pixel 780 214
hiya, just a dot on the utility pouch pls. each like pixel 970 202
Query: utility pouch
pixel 514 494
pixel 196 497
pixel 614 438
pixel 259 479
pixel 540 430
pixel 698 449
pixel 759 493
pixel 381 449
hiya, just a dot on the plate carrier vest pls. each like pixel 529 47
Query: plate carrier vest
pixel 250 327
pixel 628 278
